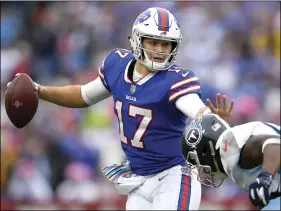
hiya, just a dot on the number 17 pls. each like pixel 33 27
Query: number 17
pixel 134 111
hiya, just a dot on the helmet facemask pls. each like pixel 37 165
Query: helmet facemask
pixel 209 173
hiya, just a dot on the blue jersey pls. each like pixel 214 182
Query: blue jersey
pixel 150 125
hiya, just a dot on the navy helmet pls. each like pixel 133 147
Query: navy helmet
pixel 198 143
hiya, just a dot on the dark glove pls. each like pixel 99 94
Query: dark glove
pixel 259 189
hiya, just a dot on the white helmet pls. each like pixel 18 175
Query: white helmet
pixel 155 23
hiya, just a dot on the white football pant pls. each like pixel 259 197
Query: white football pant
pixel 168 190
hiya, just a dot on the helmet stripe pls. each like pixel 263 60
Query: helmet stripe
pixel 163 19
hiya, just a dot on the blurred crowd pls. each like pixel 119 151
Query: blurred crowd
pixel 234 48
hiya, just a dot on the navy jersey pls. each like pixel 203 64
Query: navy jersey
pixel 150 124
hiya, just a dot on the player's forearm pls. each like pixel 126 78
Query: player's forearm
pixel 66 96
pixel 271 158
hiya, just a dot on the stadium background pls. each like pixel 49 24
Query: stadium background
pixel 54 162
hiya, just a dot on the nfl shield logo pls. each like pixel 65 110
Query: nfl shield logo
pixel 133 88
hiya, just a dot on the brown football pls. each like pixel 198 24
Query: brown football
pixel 21 101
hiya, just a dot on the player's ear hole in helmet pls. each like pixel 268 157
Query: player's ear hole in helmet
pixel 198 143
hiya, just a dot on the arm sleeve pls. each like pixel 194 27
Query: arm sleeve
pixel 190 104
pixel 94 91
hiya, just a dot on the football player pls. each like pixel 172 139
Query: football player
pixel 152 99
pixel 248 154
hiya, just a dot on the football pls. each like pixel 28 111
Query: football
pixel 21 100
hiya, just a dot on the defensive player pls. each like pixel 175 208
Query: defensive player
pixel 249 154
pixel 152 99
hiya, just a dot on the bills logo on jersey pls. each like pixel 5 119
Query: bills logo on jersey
pixel 143 17
pixel 194 132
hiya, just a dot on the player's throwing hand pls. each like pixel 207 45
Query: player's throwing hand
pixel 36 85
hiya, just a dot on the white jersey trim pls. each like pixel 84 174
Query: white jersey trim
pixel 126 78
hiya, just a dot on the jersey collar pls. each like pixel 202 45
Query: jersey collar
pixel 140 81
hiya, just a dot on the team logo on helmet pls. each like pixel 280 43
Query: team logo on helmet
pixel 143 17
pixel 193 134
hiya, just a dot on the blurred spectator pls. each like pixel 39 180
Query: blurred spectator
pixel 28 183
pixel 246 109
pixel 78 185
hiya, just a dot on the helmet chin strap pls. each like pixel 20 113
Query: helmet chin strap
pixel 154 66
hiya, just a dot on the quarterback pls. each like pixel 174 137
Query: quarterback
pixel 249 154
pixel 152 99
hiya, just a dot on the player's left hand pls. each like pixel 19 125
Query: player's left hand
pixel 223 109
pixel 259 190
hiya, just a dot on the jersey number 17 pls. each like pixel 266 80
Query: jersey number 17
pixel 134 111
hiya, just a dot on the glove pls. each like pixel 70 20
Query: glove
pixel 259 189
pixel 115 171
